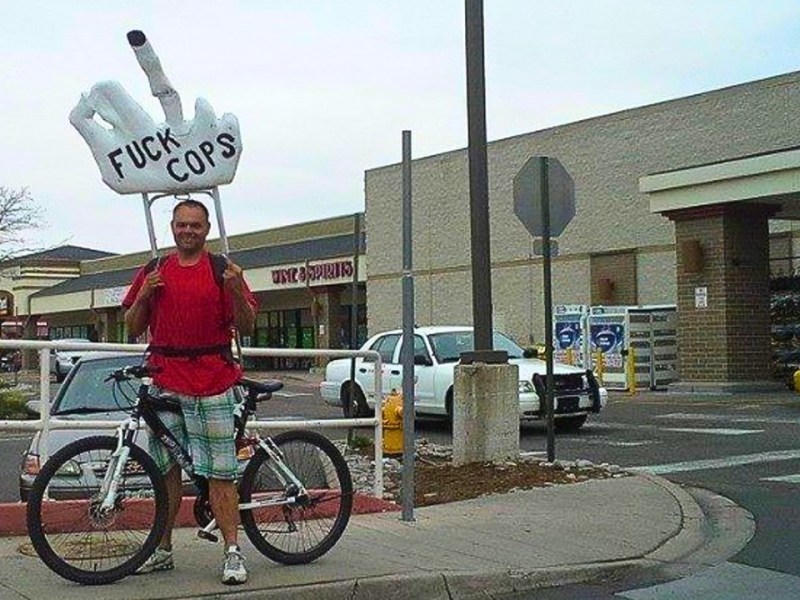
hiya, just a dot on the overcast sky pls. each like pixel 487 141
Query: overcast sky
pixel 323 88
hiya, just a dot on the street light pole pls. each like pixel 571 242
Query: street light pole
pixel 479 189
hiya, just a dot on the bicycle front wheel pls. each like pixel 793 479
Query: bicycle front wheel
pixel 293 528
pixel 74 534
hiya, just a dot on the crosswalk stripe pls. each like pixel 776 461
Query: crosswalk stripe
pixel 719 463
pixel 722 418
pixel 711 430
pixel 784 478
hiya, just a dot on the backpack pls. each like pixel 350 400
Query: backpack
pixel 219 263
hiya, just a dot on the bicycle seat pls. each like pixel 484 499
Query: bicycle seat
pixel 267 386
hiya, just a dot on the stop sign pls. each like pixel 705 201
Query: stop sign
pixel 529 195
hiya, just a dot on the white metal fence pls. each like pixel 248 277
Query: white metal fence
pixel 45 423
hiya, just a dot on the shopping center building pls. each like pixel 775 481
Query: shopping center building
pixel 687 203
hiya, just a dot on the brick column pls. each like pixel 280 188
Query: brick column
pixel 327 319
pixel 723 250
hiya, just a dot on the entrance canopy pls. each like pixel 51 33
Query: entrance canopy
pixel 721 212
pixel 772 178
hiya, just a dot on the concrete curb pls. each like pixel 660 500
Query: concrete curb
pixel 681 542
pixel 689 536
pixel 684 540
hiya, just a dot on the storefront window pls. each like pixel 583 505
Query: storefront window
pixel 86 332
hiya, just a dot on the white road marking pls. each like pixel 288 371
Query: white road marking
pixel 532 453
pixel 719 463
pixel 291 394
pixel 711 430
pixel 729 418
pixel 630 444
pixel 784 478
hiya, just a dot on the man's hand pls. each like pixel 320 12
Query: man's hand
pixel 137 317
pixel 233 278
pixel 135 154
pixel 152 282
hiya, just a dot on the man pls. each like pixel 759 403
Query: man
pixel 190 316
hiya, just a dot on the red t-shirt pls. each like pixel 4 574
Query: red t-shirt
pixel 190 310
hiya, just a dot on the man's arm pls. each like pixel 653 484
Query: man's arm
pixel 244 313
pixel 137 317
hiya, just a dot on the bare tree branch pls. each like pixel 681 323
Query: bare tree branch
pixel 18 214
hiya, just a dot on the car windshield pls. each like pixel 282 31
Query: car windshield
pixel 448 346
pixel 87 391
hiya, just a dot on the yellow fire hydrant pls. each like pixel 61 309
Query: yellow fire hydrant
pixel 392 415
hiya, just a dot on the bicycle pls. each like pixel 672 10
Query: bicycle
pixel 107 503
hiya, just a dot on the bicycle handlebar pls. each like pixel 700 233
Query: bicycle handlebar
pixel 131 372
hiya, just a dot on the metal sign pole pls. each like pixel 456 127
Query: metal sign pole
pixel 407 358
pixel 548 308
pixel 220 223
pixel 151 232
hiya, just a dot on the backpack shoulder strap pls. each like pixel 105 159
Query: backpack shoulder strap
pixel 218 265
pixel 152 264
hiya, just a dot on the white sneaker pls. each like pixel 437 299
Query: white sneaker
pixel 160 560
pixel 233 569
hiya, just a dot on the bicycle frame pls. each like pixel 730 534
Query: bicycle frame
pixel 144 410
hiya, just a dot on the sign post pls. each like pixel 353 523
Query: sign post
pixel 542 183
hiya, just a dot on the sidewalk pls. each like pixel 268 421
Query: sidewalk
pixel 476 548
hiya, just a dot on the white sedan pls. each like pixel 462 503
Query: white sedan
pixel 437 350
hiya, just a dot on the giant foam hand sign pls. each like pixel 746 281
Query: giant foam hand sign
pixel 137 155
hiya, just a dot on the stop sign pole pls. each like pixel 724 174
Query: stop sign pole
pixel 548 309
pixel 532 190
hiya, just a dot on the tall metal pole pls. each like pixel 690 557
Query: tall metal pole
pixel 548 308
pixel 407 357
pixel 226 249
pixel 151 231
pixel 478 178
pixel 354 318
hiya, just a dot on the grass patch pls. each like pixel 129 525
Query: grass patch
pixel 12 404
pixel 361 444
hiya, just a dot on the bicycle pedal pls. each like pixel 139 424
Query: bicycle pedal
pixel 209 537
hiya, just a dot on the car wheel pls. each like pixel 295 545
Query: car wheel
pixel 356 407
pixel 570 423
pixel 448 406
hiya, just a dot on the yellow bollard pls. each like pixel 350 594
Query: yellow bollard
pixel 796 380
pixel 599 365
pixel 630 368
pixel 392 415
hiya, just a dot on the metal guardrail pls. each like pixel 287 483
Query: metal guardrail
pixel 45 423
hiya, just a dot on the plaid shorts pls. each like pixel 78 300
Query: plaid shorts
pixel 206 430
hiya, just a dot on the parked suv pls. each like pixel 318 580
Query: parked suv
pixel 437 350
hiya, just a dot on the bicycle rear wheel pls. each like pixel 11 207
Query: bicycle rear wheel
pixel 70 531
pixel 299 530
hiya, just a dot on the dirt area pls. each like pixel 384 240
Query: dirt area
pixel 438 481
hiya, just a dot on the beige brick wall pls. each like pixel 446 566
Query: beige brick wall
pixel 605 156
